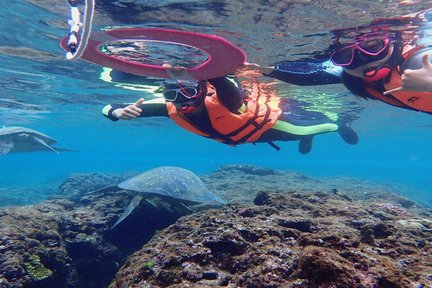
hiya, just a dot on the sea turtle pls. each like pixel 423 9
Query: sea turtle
pixel 20 139
pixel 173 184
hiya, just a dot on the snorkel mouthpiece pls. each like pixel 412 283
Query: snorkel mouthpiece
pixel 377 74
pixel 187 109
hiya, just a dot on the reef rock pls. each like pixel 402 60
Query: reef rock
pixel 69 243
pixel 284 229
pixel 310 239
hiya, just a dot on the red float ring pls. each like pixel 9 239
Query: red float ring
pixel 223 57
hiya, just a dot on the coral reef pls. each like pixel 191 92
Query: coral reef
pixel 283 229
pixel 71 235
pixel 36 269
pixel 295 239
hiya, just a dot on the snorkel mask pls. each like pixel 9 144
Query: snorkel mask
pixel 369 54
pixel 186 95
pixel 367 48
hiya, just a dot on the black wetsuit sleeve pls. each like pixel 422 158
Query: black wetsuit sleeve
pixel 148 110
pixel 305 73
pixel 230 95
pixel 356 86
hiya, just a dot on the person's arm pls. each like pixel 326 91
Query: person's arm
pixel 416 80
pixel 230 95
pixel 140 108
pixel 303 73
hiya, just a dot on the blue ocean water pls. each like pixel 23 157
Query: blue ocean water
pixel 41 90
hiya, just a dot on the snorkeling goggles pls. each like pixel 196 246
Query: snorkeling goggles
pixel 187 91
pixel 369 45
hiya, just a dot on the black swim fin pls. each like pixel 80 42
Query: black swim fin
pixel 348 134
pixel 305 144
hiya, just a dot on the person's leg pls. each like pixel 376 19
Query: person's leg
pixel 299 124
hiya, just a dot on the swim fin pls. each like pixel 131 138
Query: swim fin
pixel 305 144
pixel 348 134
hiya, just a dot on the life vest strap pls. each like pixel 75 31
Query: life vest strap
pixel 276 147
pixel 253 122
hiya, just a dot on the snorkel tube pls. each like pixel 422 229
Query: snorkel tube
pixel 75 47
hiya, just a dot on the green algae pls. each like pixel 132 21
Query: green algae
pixel 36 269
pixel 149 265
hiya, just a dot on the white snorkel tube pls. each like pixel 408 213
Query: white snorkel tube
pixel 76 48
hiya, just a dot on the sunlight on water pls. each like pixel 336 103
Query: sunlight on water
pixel 43 91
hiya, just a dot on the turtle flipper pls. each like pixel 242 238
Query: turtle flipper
pixel 44 144
pixel 187 207
pixel 6 146
pixel 134 203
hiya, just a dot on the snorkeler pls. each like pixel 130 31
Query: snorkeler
pixel 367 65
pixel 221 110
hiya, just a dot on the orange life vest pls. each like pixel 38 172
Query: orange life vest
pixel 260 114
pixel 416 100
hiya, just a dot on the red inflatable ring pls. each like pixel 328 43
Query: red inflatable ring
pixel 222 56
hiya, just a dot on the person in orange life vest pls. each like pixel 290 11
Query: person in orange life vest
pixel 368 67
pixel 220 109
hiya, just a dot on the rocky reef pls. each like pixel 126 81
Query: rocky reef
pixel 288 240
pixel 68 241
pixel 281 229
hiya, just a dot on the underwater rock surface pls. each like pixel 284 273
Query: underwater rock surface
pixel 288 240
pixel 68 242
pixel 290 230
pixel 283 229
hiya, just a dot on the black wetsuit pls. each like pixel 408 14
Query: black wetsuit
pixel 230 95
pixel 314 72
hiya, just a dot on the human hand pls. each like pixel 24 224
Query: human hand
pixel 416 80
pixel 262 69
pixel 177 72
pixel 129 112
